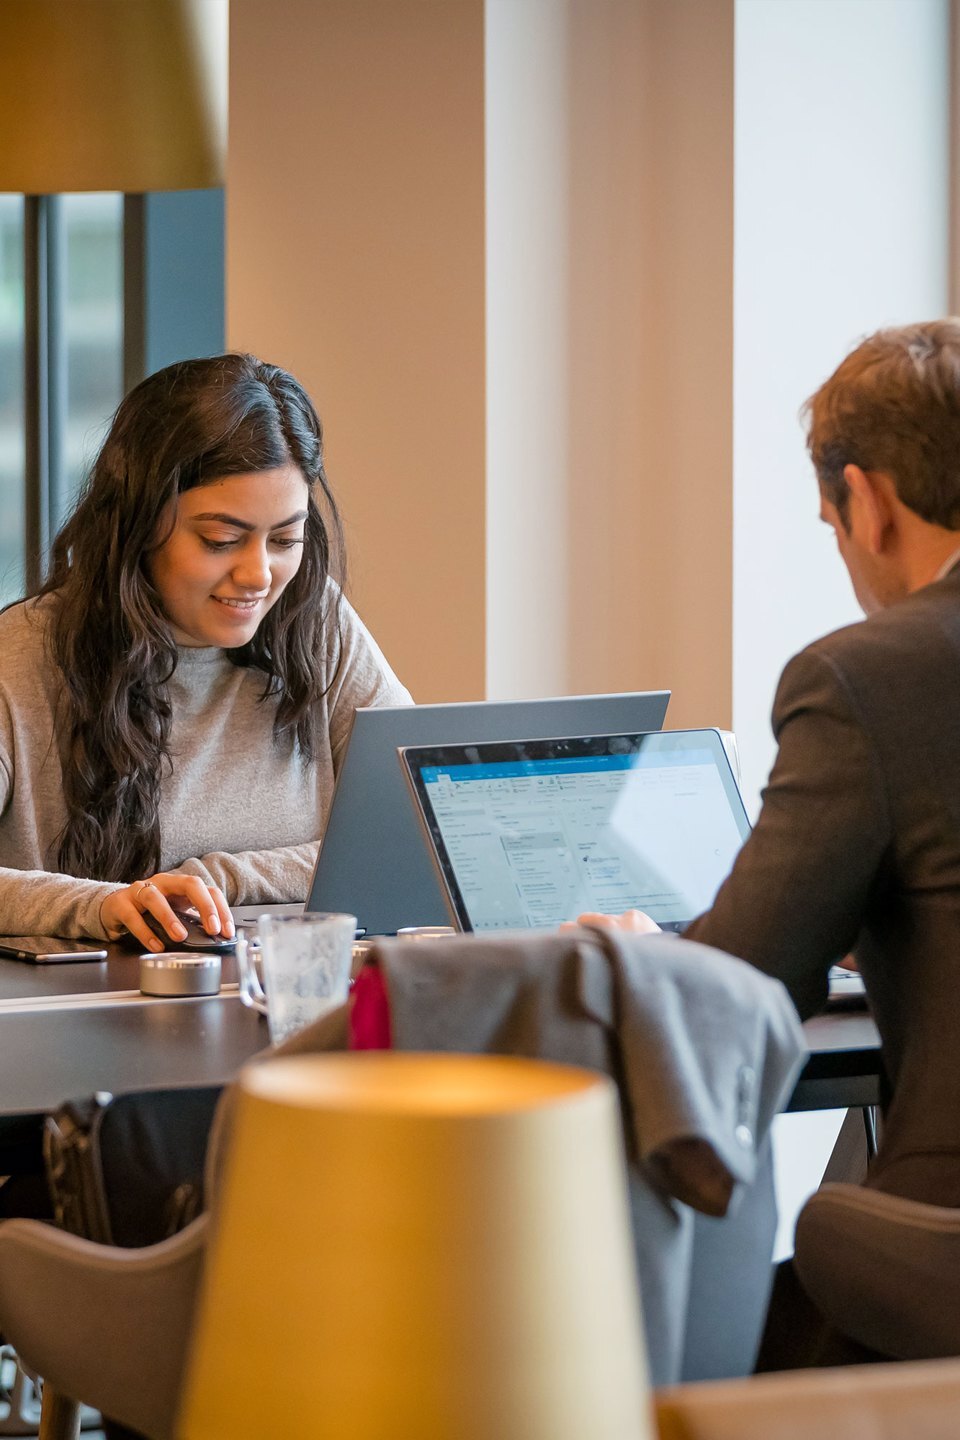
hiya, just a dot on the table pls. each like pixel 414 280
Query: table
pixel 109 979
pixel 68 1030
pixel 843 1071
pixel 52 1054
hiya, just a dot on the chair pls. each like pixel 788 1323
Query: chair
pixel 883 1270
pixel 109 1325
pixel 703 1048
pixel 112 1327
pixel 103 1323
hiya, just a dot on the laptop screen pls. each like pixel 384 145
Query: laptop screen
pixel 373 862
pixel 529 834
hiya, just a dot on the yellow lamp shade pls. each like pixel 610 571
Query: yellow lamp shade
pixel 432 1246
pixel 112 95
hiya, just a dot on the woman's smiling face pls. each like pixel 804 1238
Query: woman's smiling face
pixel 235 546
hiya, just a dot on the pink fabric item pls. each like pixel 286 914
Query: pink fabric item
pixel 369 1012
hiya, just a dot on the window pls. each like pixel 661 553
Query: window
pixel 87 258
pixel 93 324
pixel 11 397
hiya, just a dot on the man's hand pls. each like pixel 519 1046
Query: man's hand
pixel 123 911
pixel 633 920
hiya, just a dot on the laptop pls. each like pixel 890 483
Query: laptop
pixel 528 834
pixel 373 861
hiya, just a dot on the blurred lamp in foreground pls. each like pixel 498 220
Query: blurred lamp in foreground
pixel 112 95
pixel 421 1245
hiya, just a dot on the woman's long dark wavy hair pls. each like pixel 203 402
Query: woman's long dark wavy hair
pixel 188 425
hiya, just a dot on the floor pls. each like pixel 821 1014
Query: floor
pixel 20 1406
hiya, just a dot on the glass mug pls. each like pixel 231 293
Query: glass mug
pixel 306 968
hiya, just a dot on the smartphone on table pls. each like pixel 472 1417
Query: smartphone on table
pixel 47 950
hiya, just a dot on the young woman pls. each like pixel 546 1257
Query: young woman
pixel 175 701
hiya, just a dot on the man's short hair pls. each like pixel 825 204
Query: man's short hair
pixel 894 405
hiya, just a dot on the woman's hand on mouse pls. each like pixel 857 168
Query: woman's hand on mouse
pixel 124 910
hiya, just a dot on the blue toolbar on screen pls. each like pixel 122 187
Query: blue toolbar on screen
pixel 504 770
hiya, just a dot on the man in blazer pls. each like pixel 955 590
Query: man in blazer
pixel 857 847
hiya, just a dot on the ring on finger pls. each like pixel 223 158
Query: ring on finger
pixel 144 885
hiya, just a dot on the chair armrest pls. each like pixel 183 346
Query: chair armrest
pixel 884 1402
pixel 107 1326
pixel 883 1270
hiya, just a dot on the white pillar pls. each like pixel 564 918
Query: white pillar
pixel 609 348
pixel 842 225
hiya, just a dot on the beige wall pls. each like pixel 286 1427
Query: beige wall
pixel 683 499
pixel 355 258
pixel 592 550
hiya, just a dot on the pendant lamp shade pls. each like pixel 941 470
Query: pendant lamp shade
pixel 421 1245
pixel 123 95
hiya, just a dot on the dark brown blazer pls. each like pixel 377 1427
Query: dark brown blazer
pixel 858 848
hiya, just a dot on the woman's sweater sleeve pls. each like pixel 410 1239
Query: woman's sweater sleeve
pixel 257 877
pixel 38 902
pixel 363 678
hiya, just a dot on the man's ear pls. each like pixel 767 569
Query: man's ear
pixel 870 515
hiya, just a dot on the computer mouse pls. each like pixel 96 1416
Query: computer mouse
pixel 197 937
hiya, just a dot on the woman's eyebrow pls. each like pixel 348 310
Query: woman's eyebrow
pixel 245 524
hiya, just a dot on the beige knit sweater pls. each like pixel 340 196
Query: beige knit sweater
pixel 236 808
